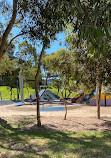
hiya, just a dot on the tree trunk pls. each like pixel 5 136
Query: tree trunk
pixel 65 94
pixel 36 86
pixel 8 29
pixel 105 99
pixel 38 105
pixel 11 94
pixel 99 94
pixel 69 94
pixel 99 99
pixel 46 82
pixel 65 105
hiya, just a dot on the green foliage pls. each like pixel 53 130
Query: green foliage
pixel 55 91
pixel 89 40
pixel 43 22
pixel 61 63
pixel 10 79
pixel 56 83
pixel 28 52
pixel 28 63
pixel 93 19
pixel 7 65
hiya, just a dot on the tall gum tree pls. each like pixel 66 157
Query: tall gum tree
pixel 37 19
pixel 61 63
pixel 92 24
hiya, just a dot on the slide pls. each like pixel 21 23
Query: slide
pixel 88 97
pixel 81 94
pixel 45 95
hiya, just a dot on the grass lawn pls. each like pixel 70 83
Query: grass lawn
pixel 5 92
pixel 44 143
pixel 55 90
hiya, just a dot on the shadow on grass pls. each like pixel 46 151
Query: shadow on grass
pixel 4 124
pixel 45 143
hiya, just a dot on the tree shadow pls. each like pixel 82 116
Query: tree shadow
pixel 4 124
pixel 106 123
pixel 90 145
pixel 83 144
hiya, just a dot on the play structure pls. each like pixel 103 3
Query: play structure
pixel 45 96
pixel 105 100
pixel 79 96
pixel 89 97
pixel 82 98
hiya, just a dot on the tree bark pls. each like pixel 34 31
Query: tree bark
pixel 11 94
pixel 99 95
pixel 37 84
pixel 8 29
pixel 46 82
pixel 15 38
pixel 65 105
pixel 105 99
pixel 69 94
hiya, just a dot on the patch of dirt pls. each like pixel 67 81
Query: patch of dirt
pixel 79 118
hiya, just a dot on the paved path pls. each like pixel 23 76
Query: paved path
pixel 6 102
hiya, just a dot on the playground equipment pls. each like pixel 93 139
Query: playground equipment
pixel 45 96
pixel 83 98
pixel 76 99
pixel 105 100
pixel 89 97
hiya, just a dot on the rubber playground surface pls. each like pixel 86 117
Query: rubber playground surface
pixel 59 108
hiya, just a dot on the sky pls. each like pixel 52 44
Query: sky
pixel 54 45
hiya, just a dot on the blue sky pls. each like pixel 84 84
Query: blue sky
pixel 56 44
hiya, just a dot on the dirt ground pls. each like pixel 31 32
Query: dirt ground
pixel 79 117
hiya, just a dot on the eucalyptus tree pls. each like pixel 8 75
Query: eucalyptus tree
pixel 51 18
pixel 92 68
pixel 91 28
pixel 29 16
pixel 61 63
pixel 28 57
pixel 39 21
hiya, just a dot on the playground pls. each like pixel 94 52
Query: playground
pixel 79 117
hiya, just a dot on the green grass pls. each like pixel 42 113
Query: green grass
pixel 5 92
pixel 55 90
pixel 45 143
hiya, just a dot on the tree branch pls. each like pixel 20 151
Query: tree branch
pixel 14 38
pixel 8 29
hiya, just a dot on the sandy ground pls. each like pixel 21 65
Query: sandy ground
pixel 79 118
